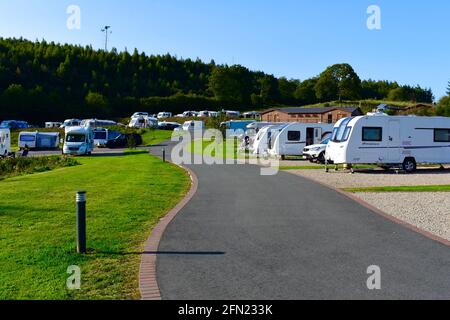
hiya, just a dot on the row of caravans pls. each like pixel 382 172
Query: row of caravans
pixel 289 139
pixel 390 141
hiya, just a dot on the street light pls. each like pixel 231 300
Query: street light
pixel 105 30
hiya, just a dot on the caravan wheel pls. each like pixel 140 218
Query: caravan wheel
pixel 409 165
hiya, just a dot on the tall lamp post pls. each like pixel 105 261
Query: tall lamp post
pixel 106 31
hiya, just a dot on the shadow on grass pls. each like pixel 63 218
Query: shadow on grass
pixel 163 253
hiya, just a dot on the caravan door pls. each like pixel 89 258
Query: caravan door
pixel 317 135
pixel 394 143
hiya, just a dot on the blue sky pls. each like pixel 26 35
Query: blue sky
pixel 292 38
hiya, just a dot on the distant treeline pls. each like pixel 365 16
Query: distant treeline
pixel 42 81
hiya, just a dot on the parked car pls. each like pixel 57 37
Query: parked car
pixel 316 152
pixel 123 141
pixel 168 125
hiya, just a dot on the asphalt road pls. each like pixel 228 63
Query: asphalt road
pixel 247 236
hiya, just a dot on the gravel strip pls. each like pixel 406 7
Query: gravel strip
pixel 343 179
pixel 429 211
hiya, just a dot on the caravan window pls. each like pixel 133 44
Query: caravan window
pixel 347 132
pixel 27 138
pixel 442 135
pixel 374 134
pixel 294 135
pixel 338 136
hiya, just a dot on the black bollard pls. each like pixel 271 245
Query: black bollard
pixel 164 155
pixel 81 222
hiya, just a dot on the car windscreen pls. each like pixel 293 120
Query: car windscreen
pixel 73 137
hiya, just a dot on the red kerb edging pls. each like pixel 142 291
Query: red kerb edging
pixel 148 283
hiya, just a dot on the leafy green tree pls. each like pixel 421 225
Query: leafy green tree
pixel 233 84
pixel 269 89
pixel 97 104
pixel 338 81
pixel 443 107
pixel 287 90
pixel 306 91
pixel 448 89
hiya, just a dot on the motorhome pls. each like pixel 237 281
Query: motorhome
pixel 164 115
pixel 95 123
pixel 5 142
pixel 38 140
pixel 390 141
pixel 71 123
pixel 294 137
pixel 143 122
pixel 79 141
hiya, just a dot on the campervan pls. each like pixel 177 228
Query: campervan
pixel 70 123
pixel 164 115
pixel 38 140
pixel 79 141
pixel 95 123
pixel 143 122
pixel 294 137
pixel 5 142
pixel 390 141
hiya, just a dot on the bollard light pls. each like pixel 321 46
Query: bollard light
pixel 81 221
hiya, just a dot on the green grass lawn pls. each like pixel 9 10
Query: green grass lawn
pixel 201 147
pixel 151 137
pixel 127 196
pixel 444 188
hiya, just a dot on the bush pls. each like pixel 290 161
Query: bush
pixel 10 167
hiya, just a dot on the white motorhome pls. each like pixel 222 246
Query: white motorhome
pixel 79 141
pixel 390 141
pixel 5 142
pixel 294 137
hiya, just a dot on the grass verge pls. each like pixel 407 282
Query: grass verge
pixel 127 195
pixel 443 188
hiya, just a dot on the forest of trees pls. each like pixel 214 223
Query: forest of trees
pixel 41 81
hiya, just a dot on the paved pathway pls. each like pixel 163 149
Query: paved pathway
pixel 246 236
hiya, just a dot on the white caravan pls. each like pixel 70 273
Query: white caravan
pixel 101 137
pixel 143 122
pixel 79 141
pixel 391 141
pixel 71 123
pixel 139 114
pixel 95 123
pixel 262 139
pixel 192 126
pixel 5 142
pixel 38 140
pixel 294 137
pixel 164 115
pixel 50 125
